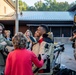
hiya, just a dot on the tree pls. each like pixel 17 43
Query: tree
pixel 72 4
pixel 49 5
pixel 31 8
pixel 22 6
pixel 57 6
pixel 39 5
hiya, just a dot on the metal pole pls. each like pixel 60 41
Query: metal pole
pixel 16 21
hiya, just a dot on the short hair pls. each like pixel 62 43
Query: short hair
pixel 19 41
pixel 45 27
pixel 74 31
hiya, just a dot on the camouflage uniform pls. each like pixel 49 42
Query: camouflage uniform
pixel 3 49
pixel 2 39
pixel 39 48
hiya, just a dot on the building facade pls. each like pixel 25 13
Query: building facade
pixel 60 23
pixel 6 7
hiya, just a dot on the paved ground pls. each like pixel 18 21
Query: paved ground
pixel 66 58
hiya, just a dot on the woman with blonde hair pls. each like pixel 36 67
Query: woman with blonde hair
pixel 30 39
pixel 7 34
pixel 19 61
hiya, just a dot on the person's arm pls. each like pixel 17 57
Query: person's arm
pixel 9 43
pixel 36 61
pixel 3 43
pixel 7 66
pixel 72 38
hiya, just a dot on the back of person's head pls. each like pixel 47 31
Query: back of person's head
pixel 19 41
pixel 44 27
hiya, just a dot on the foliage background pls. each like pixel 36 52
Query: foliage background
pixel 49 5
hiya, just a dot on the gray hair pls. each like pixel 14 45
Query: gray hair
pixel 19 40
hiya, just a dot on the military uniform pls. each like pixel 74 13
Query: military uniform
pixel 40 48
pixel 2 39
pixel 2 46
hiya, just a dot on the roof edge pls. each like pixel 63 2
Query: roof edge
pixel 11 3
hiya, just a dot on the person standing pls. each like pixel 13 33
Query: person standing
pixel 73 38
pixel 30 39
pixel 3 42
pixel 43 40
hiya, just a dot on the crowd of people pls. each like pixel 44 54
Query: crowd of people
pixel 27 52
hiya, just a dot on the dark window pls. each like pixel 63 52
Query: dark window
pixel 61 31
pixel 66 31
pixel 56 31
